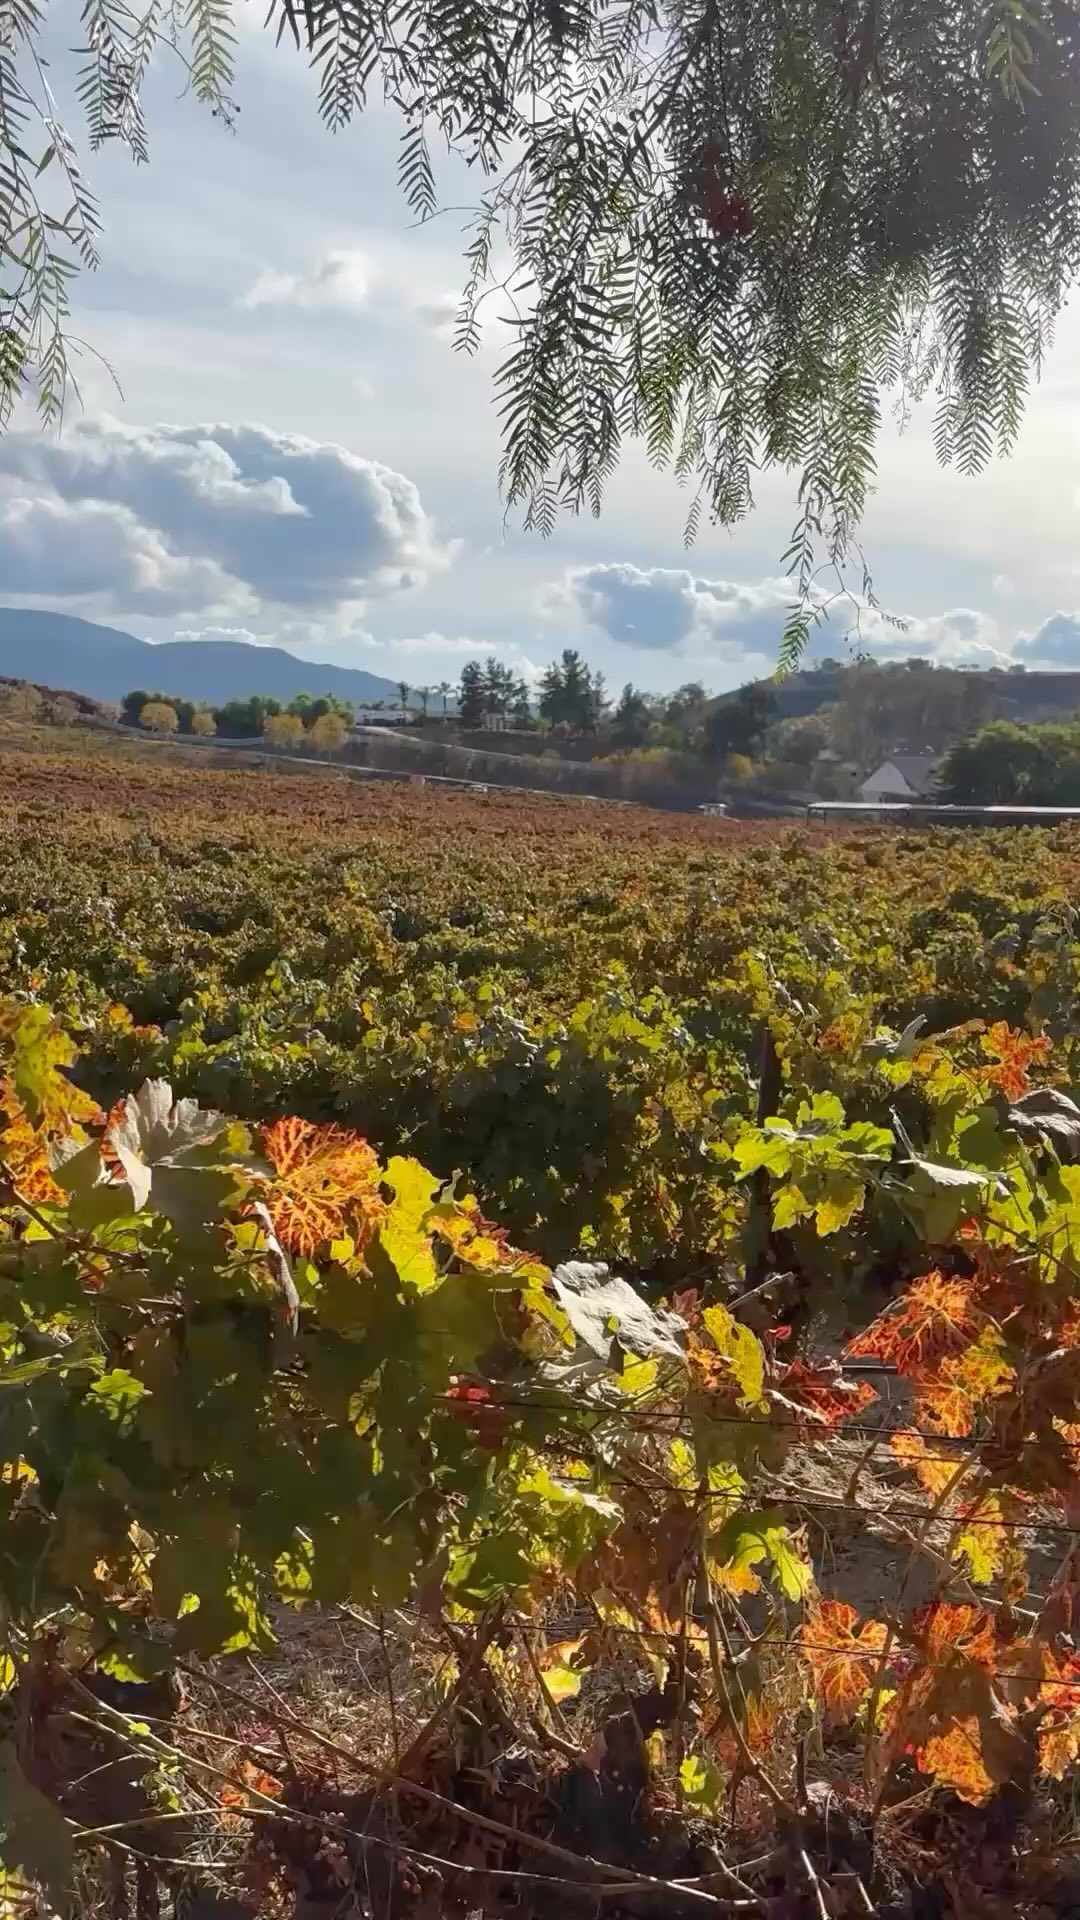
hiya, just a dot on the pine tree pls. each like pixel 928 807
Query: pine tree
pixel 631 718
pixel 471 695
pixel 552 695
pixel 599 703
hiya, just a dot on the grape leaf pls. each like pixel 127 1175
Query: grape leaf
pixel 741 1349
pixel 843 1660
pixel 935 1316
pixel 325 1183
pixel 602 1310
pixel 748 1539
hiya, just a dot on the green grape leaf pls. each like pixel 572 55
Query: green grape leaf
pixel 748 1539
pixel 478 1575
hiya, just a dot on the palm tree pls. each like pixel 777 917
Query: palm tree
pixel 404 689
pixel 425 695
pixel 445 690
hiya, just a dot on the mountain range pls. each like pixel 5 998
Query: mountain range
pixel 58 650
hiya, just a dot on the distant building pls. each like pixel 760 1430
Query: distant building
pixel 904 776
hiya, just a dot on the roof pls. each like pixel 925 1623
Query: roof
pixel 928 813
pixel 917 768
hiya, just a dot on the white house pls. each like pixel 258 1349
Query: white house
pixel 904 776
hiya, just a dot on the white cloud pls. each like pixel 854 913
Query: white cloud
pixel 453 649
pixel 666 609
pixel 1055 644
pixel 89 549
pixel 672 611
pixel 210 519
pixel 243 634
pixel 339 279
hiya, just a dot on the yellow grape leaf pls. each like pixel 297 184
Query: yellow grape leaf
pixel 733 1579
pixel 563 1683
pixel 402 1234
pixel 984 1540
pixel 683 1467
pixel 843 1197
pixel 326 1182
pixel 930 1469
pixel 741 1349
pixel 702 1783
pixel 39 1048
pixel 638 1376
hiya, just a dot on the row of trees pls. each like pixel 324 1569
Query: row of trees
pixel 572 698
pixel 323 724
pixel 235 719
pixel 862 711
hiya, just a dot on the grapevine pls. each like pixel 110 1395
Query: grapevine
pixel 259 1368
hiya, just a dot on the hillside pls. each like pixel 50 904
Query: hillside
pixel 61 651
pixel 1022 695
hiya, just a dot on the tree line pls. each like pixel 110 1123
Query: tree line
pixel 854 714
pixel 323 720
pixel 1006 764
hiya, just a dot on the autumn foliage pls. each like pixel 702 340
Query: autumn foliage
pixel 777 1412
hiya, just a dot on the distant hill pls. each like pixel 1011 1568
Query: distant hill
pixel 1030 694
pixel 57 650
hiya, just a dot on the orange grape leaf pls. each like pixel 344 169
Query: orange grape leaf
pixel 823 1393
pixel 955 1758
pixel 949 1399
pixel 1013 1052
pixel 24 1149
pixel 760 1724
pixel 1059 1733
pixel 936 1316
pixel 326 1183
pixel 944 1632
pixel 842 1661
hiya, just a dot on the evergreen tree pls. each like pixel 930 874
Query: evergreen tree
pixel 498 686
pixel 630 722
pixel 471 695
pixel 566 693
pixel 600 703
pixel 551 694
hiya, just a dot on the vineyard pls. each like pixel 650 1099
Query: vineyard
pixel 539 1358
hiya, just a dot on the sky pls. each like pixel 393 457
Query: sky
pixel 276 441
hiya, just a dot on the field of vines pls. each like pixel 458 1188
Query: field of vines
pixel 539 1357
